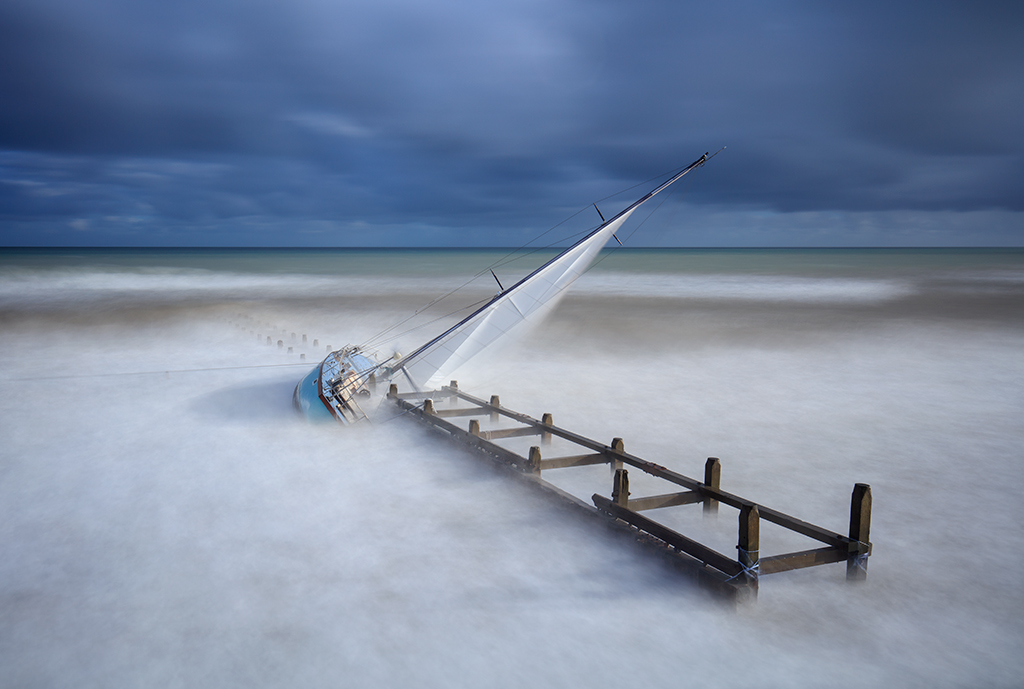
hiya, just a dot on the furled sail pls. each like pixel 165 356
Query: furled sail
pixel 527 301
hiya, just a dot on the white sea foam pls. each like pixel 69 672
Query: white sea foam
pixel 746 287
pixel 27 288
pixel 34 288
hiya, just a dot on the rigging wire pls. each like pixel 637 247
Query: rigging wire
pixel 589 229
pixel 376 343
pixel 376 340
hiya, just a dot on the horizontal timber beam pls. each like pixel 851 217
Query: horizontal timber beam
pixel 672 538
pixel 502 454
pixel 734 577
pixel 654 502
pixel 805 558
pixel 419 395
pixel 448 413
pixel 792 523
pixel 499 433
pixel 465 436
pixel 573 461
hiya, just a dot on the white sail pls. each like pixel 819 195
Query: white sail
pixel 529 301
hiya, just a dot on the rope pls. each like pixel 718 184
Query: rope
pixel 861 560
pixel 752 571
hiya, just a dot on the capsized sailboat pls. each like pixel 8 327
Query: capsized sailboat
pixel 345 383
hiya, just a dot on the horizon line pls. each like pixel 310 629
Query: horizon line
pixel 494 248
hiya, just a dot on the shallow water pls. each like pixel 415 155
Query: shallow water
pixel 165 519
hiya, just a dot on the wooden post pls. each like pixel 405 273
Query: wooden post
pixel 750 538
pixel 620 488
pixel 712 479
pixel 452 397
pixel 495 402
pixel 474 427
pixel 428 406
pixel 533 463
pixel 860 531
pixel 547 420
pixel 618 446
pixel 393 391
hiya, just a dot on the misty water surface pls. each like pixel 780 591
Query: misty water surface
pixel 166 520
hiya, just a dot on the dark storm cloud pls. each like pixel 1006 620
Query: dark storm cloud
pixel 256 121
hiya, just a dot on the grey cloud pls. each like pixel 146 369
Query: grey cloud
pixel 502 115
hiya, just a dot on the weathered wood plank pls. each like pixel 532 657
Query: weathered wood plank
pixel 725 571
pixel 497 450
pixel 415 395
pixel 449 413
pixel 573 461
pixel 792 523
pixel 620 488
pixel 749 545
pixel 504 455
pixel 499 433
pixel 618 448
pixel 673 538
pixel 799 560
pixel 713 480
pixel 654 502
pixel 533 461
pixel 466 436
pixel 547 420
pixel 860 533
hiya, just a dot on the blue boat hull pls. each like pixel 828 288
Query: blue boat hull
pixel 330 391
pixel 306 398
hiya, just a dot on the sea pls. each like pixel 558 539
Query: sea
pixel 166 519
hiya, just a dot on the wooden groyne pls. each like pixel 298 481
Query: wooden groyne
pixel 737 578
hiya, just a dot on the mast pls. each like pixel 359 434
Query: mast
pixel 560 281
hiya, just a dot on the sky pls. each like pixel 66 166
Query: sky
pixel 451 123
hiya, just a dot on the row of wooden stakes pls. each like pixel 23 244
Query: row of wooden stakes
pixel 738 577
